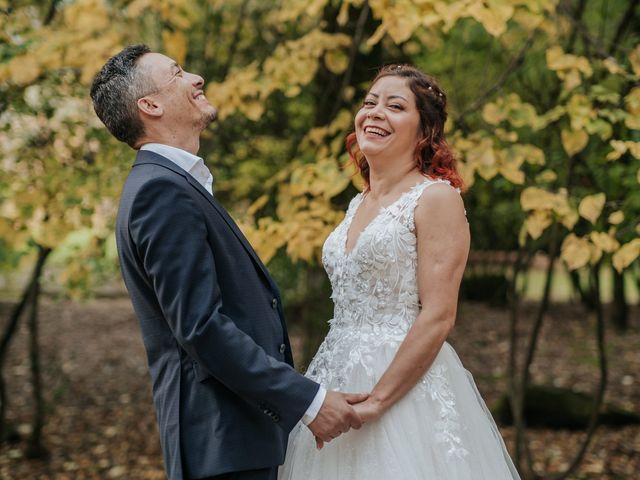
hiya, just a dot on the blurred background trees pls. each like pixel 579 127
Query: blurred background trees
pixel 544 105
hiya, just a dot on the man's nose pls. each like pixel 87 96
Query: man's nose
pixel 197 80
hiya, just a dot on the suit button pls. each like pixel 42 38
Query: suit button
pixel 283 347
pixel 274 303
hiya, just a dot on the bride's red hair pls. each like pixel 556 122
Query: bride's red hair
pixel 432 155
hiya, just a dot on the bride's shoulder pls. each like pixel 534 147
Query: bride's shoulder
pixel 438 199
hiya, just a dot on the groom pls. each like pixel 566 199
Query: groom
pixel 225 391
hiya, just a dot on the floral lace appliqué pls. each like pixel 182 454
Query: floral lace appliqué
pixel 436 385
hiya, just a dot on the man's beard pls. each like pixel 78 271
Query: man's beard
pixel 207 119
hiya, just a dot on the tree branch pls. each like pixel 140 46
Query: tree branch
pixel 353 53
pixel 627 16
pixel 513 66
pixel 51 12
pixel 234 42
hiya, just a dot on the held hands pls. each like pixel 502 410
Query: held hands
pixel 370 410
pixel 336 416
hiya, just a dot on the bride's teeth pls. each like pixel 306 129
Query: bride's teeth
pixel 376 131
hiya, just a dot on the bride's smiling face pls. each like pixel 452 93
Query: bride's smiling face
pixel 388 123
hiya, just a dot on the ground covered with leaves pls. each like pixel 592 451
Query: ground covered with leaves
pixel 101 423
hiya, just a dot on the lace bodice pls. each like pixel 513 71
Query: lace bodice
pixel 375 285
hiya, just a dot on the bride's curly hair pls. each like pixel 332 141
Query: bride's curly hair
pixel 433 156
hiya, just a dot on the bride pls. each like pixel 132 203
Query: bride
pixel 395 265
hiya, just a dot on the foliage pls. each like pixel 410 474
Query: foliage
pixel 269 61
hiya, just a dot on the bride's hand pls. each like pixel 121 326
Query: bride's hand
pixel 370 410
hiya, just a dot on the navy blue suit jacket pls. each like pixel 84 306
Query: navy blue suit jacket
pixel 225 392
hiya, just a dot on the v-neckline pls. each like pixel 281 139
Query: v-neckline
pixel 347 253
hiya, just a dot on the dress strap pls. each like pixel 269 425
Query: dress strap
pixel 353 205
pixel 404 210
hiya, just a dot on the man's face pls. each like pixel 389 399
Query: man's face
pixel 178 93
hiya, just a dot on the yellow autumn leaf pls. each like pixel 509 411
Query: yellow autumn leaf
pixel 336 61
pixel 634 58
pixel 616 217
pixel 512 173
pixel 613 67
pixel 534 198
pixel 546 176
pixel 260 202
pixel 483 157
pixel 632 104
pixel 137 7
pixel 492 114
pixel 619 149
pixel 590 207
pixel 537 222
pixel 576 251
pixel 572 79
pixel 493 19
pixel 569 219
pixel 574 142
pixel 634 148
pixel 253 109
pixel 23 70
pixel 175 44
pixel 530 153
pixel 605 241
pixel 626 255
pixel 596 253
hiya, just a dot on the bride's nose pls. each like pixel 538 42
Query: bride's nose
pixel 375 113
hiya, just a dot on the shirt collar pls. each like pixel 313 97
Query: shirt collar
pixel 189 162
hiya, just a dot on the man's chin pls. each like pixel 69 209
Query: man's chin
pixel 208 118
pixel 211 115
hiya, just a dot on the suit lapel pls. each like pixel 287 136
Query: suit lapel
pixel 148 157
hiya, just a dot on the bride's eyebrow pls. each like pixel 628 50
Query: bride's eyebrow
pixel 390 97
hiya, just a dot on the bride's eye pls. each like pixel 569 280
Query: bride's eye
pixel 369 103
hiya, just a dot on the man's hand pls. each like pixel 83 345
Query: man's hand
pixel 336 416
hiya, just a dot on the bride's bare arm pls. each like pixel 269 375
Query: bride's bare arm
pixel 442 245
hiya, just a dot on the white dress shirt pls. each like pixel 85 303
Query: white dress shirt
pixel 194 166
pixel 190 163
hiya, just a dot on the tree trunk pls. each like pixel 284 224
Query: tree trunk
pixel 9 332
pixel 514 391
pixel 585 296
pixel 35 448
pixel 620 309
pixel 316 312
pixel 602 361
pixel 522 385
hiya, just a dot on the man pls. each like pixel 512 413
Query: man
pixel 225 392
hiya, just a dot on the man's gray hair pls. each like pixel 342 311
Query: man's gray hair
pixel 115 92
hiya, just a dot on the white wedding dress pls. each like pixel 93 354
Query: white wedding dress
pixel 440 430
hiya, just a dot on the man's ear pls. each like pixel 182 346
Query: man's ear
pixel 149 106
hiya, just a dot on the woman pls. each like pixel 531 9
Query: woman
pixel 395 265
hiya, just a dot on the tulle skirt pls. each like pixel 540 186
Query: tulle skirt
pixel 440 430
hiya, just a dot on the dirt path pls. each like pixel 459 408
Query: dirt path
pixel 101 422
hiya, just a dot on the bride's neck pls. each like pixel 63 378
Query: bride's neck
pixel 390 178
